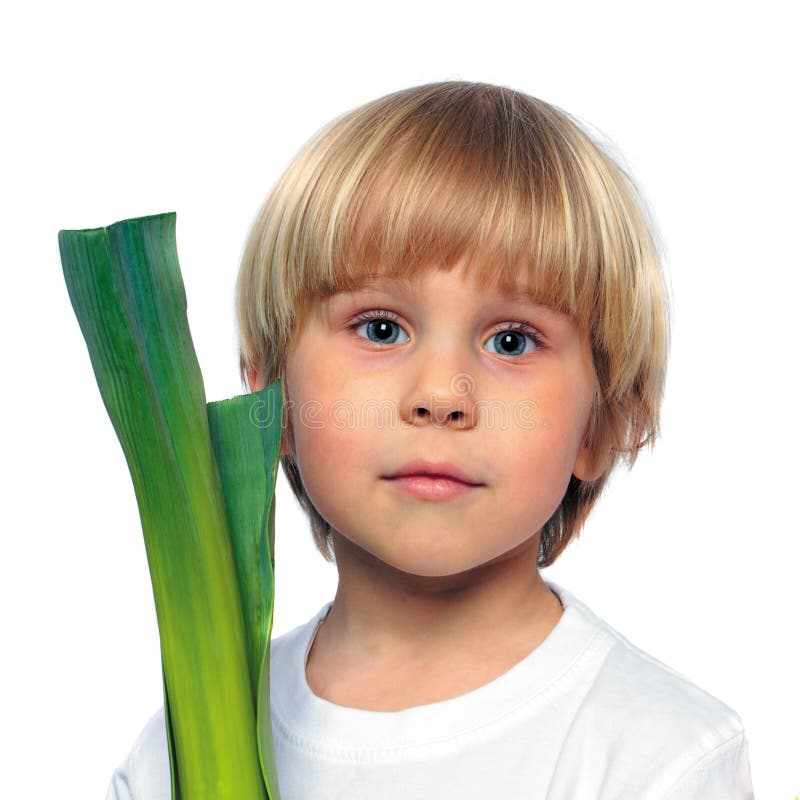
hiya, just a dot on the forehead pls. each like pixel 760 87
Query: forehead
pixel 515 293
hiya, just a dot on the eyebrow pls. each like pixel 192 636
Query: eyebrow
pixel 369 281
pixel 366 282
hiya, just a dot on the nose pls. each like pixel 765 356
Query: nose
pixel 443 392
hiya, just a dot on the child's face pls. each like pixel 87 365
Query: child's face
pixel 367 397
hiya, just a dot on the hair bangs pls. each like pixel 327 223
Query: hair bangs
pixel 434 195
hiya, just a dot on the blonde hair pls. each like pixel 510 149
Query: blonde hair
pixel 512 184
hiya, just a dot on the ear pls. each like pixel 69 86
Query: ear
pixel 582 464
pixel 583 467
pixel 256 380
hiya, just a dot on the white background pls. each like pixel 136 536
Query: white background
pixel 120 110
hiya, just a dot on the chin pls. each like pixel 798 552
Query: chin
pixel 426 567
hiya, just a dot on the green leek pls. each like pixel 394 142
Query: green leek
pixel 204 478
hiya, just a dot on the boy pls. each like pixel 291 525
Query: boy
pixel 462 297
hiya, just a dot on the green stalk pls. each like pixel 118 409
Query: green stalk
pixel 125 286
pixel 245 434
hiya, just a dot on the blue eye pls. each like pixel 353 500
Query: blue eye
pixel 514 337
pixel 508 338
pixel 382 329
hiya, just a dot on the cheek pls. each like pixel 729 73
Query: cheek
pixel 323 432
pixel 335 456
pixel 339 478
pixel 534 466
pixel 311 388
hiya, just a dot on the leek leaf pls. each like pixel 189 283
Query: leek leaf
pixel 245 434
pixel 125 286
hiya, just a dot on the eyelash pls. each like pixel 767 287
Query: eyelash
pixel 382 313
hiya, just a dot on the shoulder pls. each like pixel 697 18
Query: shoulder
pixel 145 773
pixel 649 697
pixel 663 693
pixel 640 710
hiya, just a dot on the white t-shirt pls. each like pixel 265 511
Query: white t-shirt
pixel 586 715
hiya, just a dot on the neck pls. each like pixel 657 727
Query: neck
pixel 386 615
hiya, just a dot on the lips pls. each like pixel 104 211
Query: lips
pixel 441 469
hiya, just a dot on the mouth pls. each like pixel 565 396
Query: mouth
pixel 429 476
pixel 434 471
pixel 432 487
